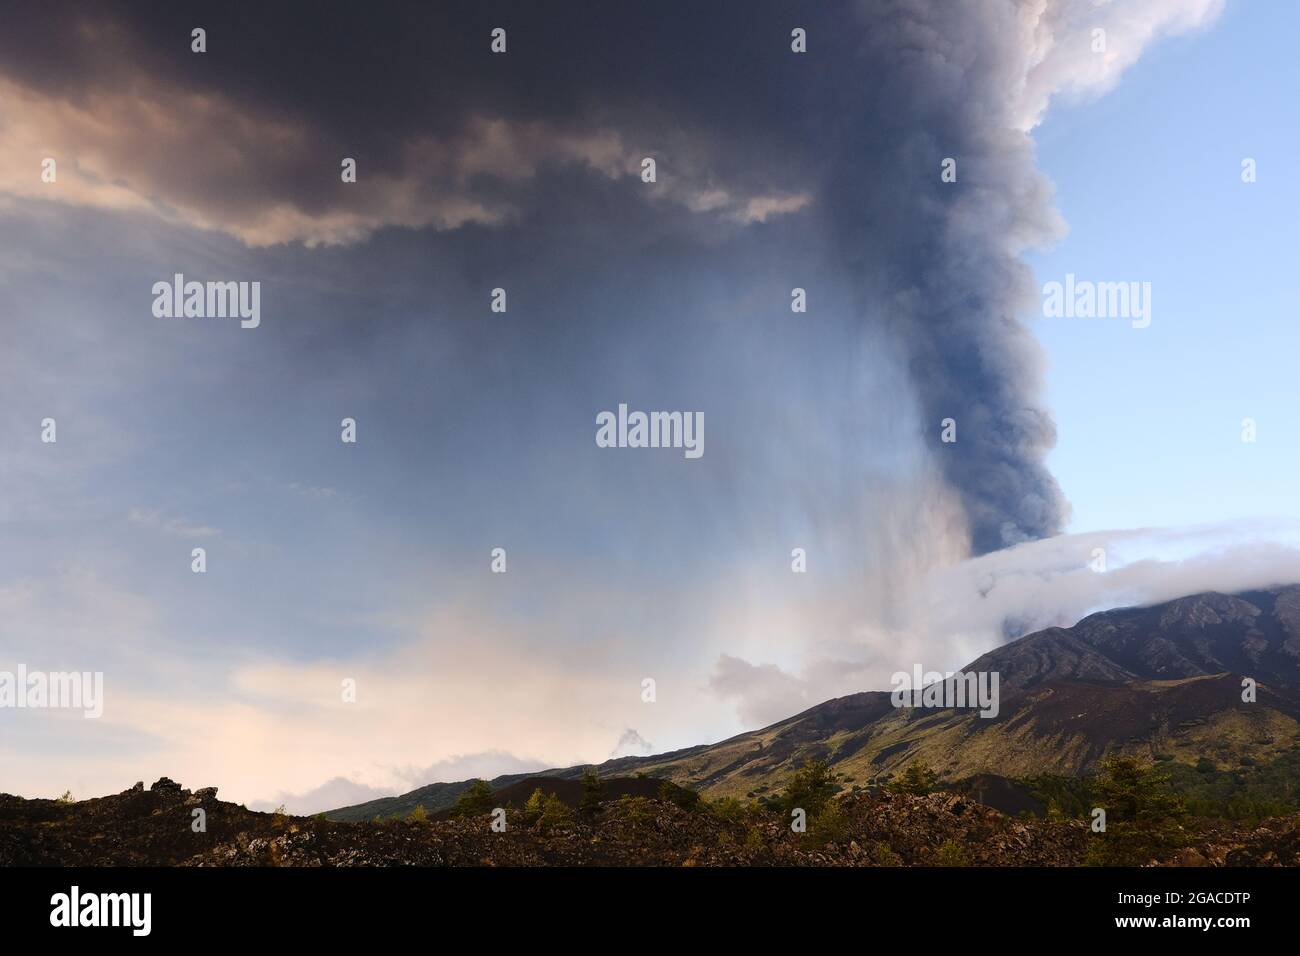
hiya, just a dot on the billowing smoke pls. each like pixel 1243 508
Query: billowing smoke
pixel 963 83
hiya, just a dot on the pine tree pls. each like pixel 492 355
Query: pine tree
pixel 534 806
pixel 1143 814
pixel 593 791
pixel 554 813
pixel 475 801
pixel 811 788
pixel 918 779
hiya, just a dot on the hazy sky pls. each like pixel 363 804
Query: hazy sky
pixel 371 561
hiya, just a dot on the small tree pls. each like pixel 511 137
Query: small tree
pixel 918 779
pixel 1143 814
pixel 811 788
pixel 830 826
pixel 534 806
pixel 593 791
pixel 417 815
pixel 474 801
pixel 554 814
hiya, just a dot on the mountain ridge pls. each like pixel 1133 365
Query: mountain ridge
pixel 1161 681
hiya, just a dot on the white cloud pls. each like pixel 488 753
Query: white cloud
pixel 1058 40
pixel 960 611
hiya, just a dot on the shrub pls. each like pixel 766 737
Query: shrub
pixel 555 814
pixel 731 810
pixel 830 826
pixel 637 810
pixel 417 815
pixel 951 853
pixel 684 797
pixel 882 854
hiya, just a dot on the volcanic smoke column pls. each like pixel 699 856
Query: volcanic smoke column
pixel 938 261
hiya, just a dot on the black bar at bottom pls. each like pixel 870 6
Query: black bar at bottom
pixel 329 905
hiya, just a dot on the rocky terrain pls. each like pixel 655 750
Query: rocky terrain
pixel 154 827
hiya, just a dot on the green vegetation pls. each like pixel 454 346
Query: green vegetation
pixel 830 826
pixel 1247 793
pixel 882 854
pixel 1064 797
pixel 593 791
pixel 684 797
pixel 417 815
pixel 1143 814
pixel 534 806
pixel 65 797
pixel 637 810
pixel 555 815
pixel 951 853
pixel 733 810
pixel 918 779
pixel 811 788
pixel 475 801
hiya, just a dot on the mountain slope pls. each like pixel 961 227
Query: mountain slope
pixel 1163 682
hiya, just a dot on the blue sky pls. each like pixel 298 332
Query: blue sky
pixel 1148 180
